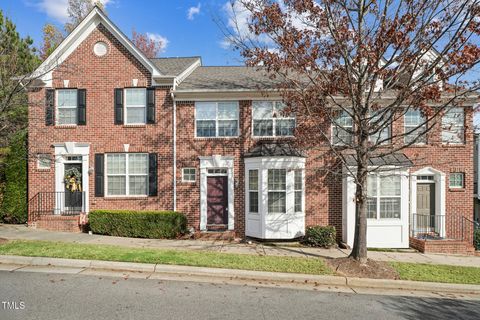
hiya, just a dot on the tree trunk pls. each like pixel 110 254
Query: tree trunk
pixel 359 250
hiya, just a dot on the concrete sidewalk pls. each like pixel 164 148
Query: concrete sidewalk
pixel 21 232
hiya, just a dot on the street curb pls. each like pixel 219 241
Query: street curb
pixel 216 273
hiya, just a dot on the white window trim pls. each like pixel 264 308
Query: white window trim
pixel 194 173
pixel 134 106
pixel 257 190
pixel 450 180
pixel 127 180
pixel 57 107
pixel 217 119
pixel 284 191
pixel 274 125
pixel 452 126
pixel 417 133
pixel 378 197
pixel 302 174
pixel 39 161
pixel 332 126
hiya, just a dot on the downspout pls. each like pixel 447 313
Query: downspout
pixel 174 151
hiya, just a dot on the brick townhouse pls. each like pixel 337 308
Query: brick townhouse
pixel 111 129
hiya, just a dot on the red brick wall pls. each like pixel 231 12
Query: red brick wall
pixel 100 76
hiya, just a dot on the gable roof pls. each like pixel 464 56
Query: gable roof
pixel 174 66
pixel 76 37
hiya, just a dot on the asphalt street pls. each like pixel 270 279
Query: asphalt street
pixel 27 295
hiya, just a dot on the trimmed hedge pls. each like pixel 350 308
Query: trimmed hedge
pixel 320 236
pixel 138 224
pixel 476 239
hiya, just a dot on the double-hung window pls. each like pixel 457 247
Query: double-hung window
pixel 135 105
pixel 216 119
pixel 277 190
pixel 342 128
pixel 453 126
pixel 384 197
pixel 298 189
pixel 381 125
pixel 127 174
pixel 414 124
pixel 253 191
pixel 270 119
pixel 67 106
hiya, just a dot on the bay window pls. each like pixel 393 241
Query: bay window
pixel 135 105
pixel 216 119
pixel 127 174
pixel 269 119
pixel 298 189
pixel 453 126
pixel 414 127
pixel 67 106
pixel 384 197
pixel 277 190
pixel 253 191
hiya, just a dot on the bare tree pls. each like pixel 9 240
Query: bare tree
pixel 360 65
pixel 78 9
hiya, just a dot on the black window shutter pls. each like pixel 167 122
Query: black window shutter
pixel 152 174
pixel 49 107
pixel 99 175
pixel 82 107
pixel 150 105
pixel 118 106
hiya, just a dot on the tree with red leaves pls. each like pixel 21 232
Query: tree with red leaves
pixel 357 66
pixel 150 46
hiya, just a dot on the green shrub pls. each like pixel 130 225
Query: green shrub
pixel 320 236
pixel 138 224
pixel 476 238
pixel 14 201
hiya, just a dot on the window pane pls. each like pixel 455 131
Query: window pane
pixel 372 186
pixel 298 201
pixel 339 131
pixel 137 163
pixel 453 126
pixel 263 128
pixel 413 117
pixel 205 110
pixel 280 110
pixel 135 115
pixel 227 110
pixel 135 96
pixel 390 186
pixel 371 208
pixel 277 179
pixel 262 110
pixel 382 135
pixel 116 185
pixel 253 179
pixel 138 185
pixel 284 127
pixel 44 161
pixel 116 163
pixel 67 98
pixel 277 202
pixel 227 128
pixel 189 174
pixel 298 180
pixel 456 180
pixel 253 206
pixel 390 208
pixel 206 128
pixel 67 116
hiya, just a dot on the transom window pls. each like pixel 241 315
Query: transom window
pixel 216 119
pixel 270 120
pixel 253 191
pixel 453 127
pixel 457 180
pixel 67 106
pixel 342 129
pixel 414 124
pixel 135 105
pixel 127 174
pixel 384 197
pixel 218 171
pixel 277 190
pixel 189 174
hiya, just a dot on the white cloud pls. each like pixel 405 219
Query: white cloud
pixel 57 9
pixel 159 38
pixel 192 11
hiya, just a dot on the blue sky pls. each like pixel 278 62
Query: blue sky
pixel 188 25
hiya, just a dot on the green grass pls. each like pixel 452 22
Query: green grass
pixel 177 257
pixel 437 273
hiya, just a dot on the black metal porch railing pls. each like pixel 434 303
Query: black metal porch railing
pixel 440 227
pixel 56 203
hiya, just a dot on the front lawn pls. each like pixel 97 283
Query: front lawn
pixel 437 273
pixel 160 256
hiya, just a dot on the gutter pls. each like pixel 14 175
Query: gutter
pixel 174 149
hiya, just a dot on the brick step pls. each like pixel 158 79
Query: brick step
pixel 57 223
pixel 214 235
pixel 443 246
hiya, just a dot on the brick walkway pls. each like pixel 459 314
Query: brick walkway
pixel 21 232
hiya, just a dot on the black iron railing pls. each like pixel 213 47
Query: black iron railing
pixel 440 227
pixel 56 203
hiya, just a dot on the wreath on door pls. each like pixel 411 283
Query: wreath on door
pixel 73 180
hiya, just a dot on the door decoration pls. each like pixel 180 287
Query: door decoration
pixel 73 180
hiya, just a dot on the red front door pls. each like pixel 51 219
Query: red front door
pixel 217 201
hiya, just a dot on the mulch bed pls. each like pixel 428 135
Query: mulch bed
pixel 372 269
pixel 3 240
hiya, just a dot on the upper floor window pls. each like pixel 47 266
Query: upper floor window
pixel 127 174
pixel 453 126
pixel 67 106
pixel 342 128
pixel 216 119
pixel 269 119
pixel 135 105
pixel 381 122
pixel 415 127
